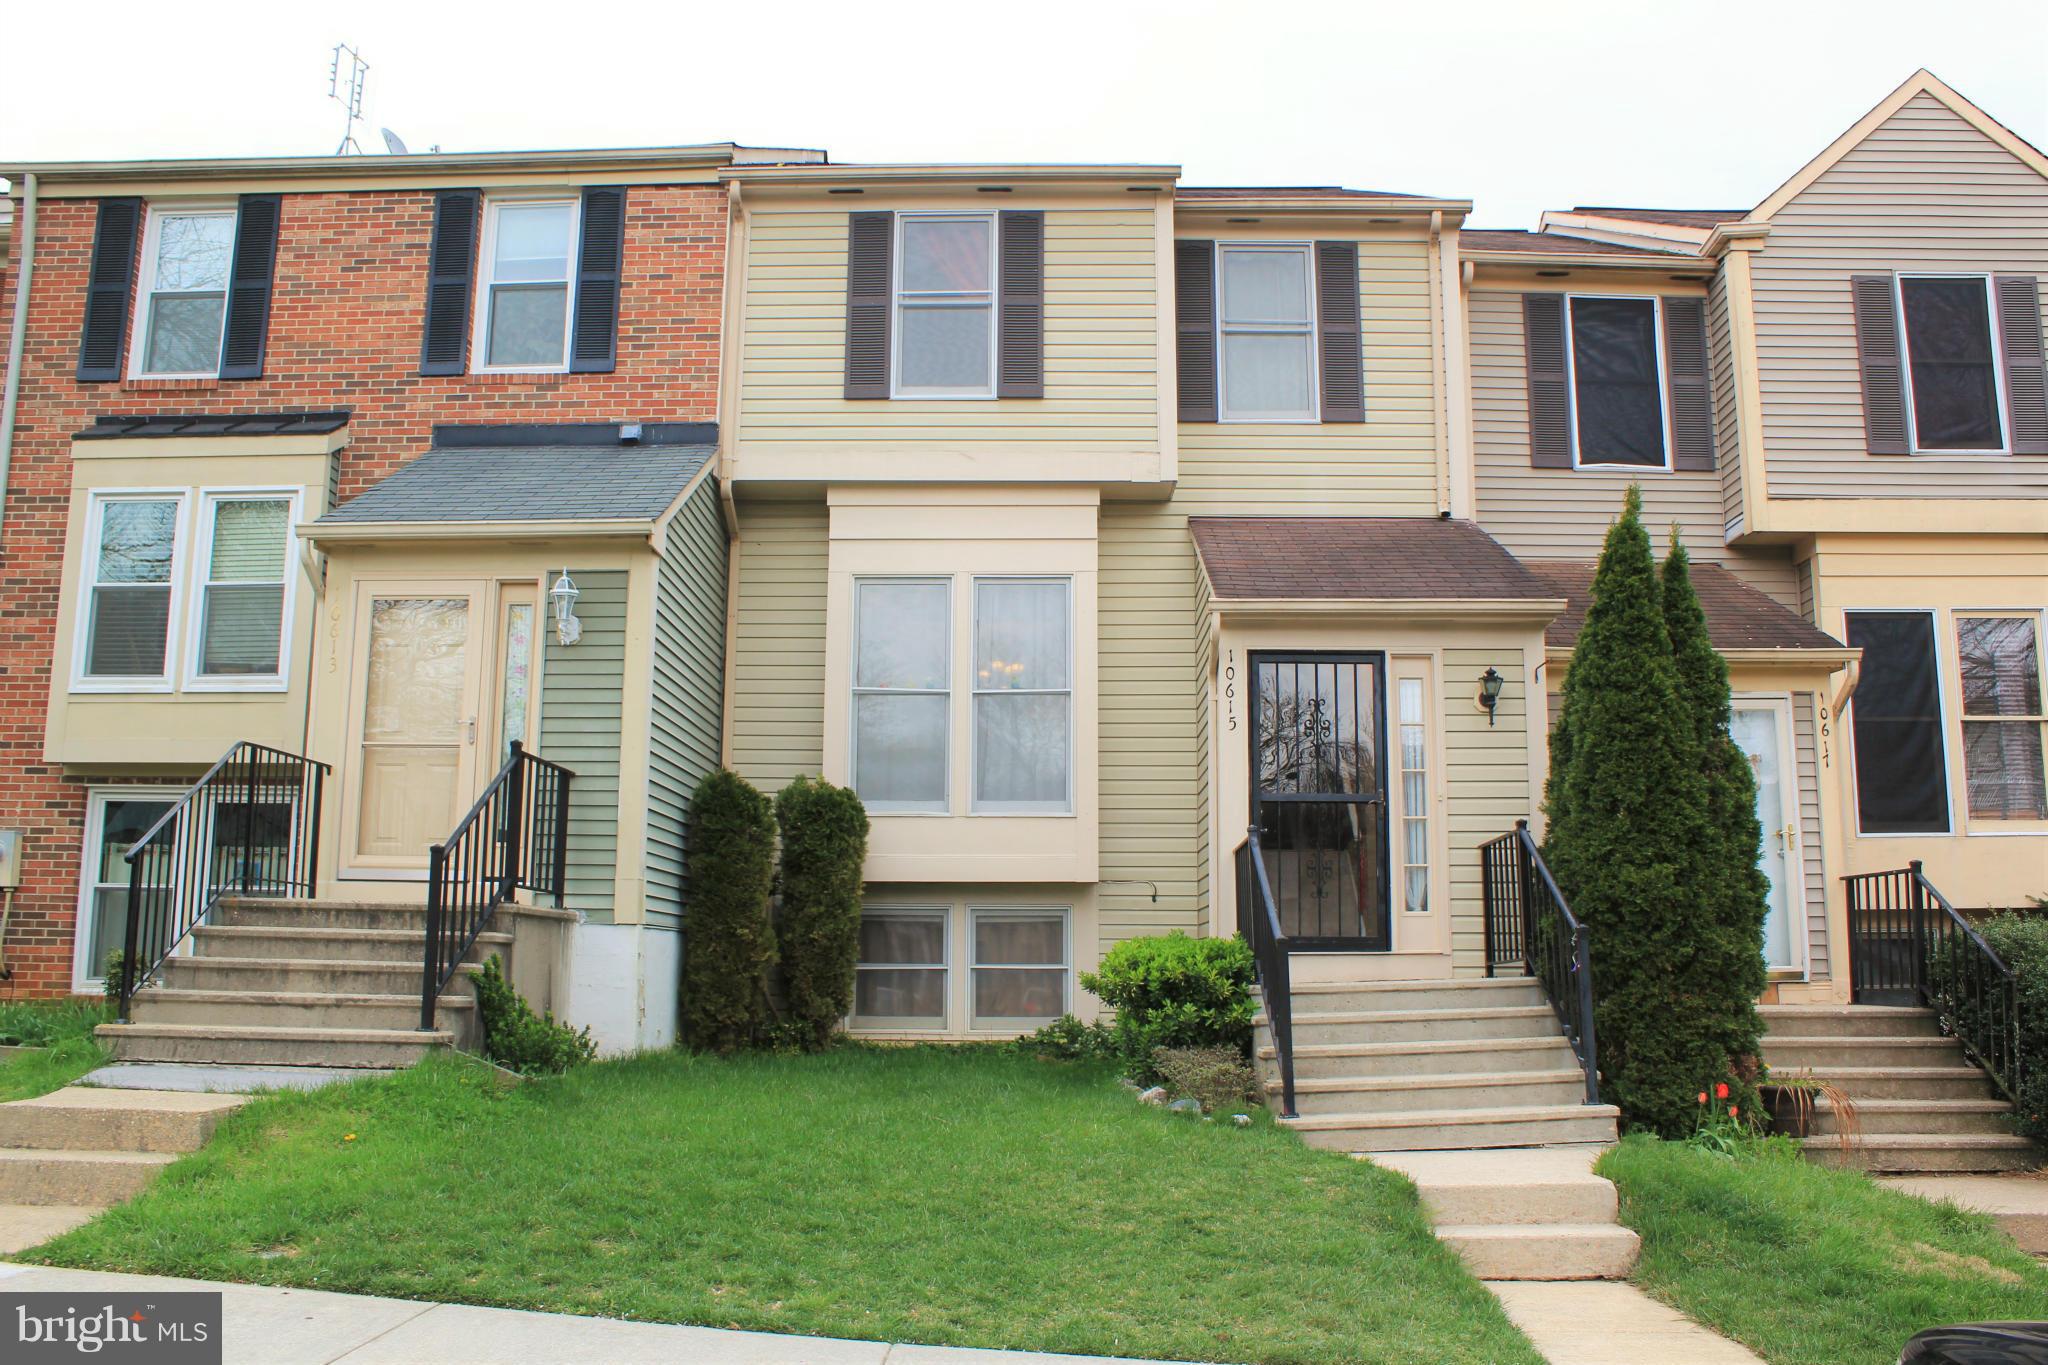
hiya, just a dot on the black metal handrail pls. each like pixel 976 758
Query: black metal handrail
pixel 1528 923
pixel 1906 941
pixel 249 826
pixel 516 837
pixel 1258 919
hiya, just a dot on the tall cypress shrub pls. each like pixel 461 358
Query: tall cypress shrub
pixel 1727 945
pixel 1627 817
pixel 824 844
pixel 729 942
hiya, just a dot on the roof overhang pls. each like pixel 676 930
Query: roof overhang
pixel 1522 611
pixel 375 532
pixel 993 176
pixel 1591 260
pixel 1799 660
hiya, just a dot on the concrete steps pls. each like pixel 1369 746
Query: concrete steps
pixel 65 1155
pixel 1558 1251
pixel 1919 1103
pixel 1453 1129
pixel 1522 1214
pixel 1452 1090
pixel 272 1046
pixel 298 1009
pixel 76 1176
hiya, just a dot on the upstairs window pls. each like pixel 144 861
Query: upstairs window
pixel 242 589
pixel 1617 387
pixel 945 306
pixel 524 284
pixel 2000 661
pixel 1952 362
pixel 1266 320
pixel 183 292
pixel 133 547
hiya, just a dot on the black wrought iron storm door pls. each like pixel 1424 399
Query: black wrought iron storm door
pixel 1319 796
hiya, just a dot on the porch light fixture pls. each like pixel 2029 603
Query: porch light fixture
pixel 568 630
pixel 1490 683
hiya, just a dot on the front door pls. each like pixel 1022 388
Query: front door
pixel 1319 797
pixel 1762 730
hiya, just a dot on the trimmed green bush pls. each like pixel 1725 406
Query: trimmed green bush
pixel 2021 941
pixel 824 844
pixel 518 1039
pixel 729 943
pixel 1176 991
pixel 1217 1078
pixel 1067 1039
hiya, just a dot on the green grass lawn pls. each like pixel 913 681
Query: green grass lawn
pixel 942 1195
pixel 62 1029
pixel 1809 1266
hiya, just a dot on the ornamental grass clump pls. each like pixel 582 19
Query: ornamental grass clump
pixel 729 942
pixel 824 845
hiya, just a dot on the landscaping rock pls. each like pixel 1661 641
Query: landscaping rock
pixel 1193 1107
pixel 1156 1095
pixel 1241 1120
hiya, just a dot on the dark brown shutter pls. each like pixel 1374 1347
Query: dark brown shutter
pixel 1194 291
pixel 1550 399
pixel 451 273
pixel 1338 346
pixel 594 336
pixel 101 343
pixel 1020 323
pixel 1685 375
pixel 248 320
pixel 2026 384
pixel 870 238
pixel 1877 355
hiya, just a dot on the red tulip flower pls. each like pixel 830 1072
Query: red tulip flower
pixel 1721 1091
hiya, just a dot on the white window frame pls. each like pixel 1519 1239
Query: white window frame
pixel 943 915
pixel 2004 446
pixel 487 254
pixel 1944 667
pixel 1225 328
pixel 855 692
pixel 1992 825
pixel 202 569
pixel 897 304
pixel 153 216
pixel 88 581
pixel 972 964
pixel 85 978
pixel 1571 380
pixel 975 805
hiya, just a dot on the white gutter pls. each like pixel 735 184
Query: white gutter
pixel 25 256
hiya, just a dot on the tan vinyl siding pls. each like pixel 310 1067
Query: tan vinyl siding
pixel 1812 859
pixel 1727 427
pixel 1486 783
pixel 1924 192
pixel 689 686
pixel 580 715
pixel 1384 466
pixel 1565 513
pixel 778 644
pixel 1101 346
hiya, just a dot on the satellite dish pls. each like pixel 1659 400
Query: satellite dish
pixel 393 143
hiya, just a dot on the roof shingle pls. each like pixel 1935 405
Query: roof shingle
pixel 1738 616
pixel 1552 243
pixel 1370 558
pixel 528 483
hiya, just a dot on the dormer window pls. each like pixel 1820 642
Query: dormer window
pixel 183 293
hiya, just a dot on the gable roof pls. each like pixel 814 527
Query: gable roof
pixel 1739 617
pixel 552 483
pixel 1359 558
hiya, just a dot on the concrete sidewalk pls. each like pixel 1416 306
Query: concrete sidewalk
pixel 266 1326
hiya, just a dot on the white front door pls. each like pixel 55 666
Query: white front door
pixel 1762 729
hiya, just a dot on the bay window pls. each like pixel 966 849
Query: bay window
pixel 242 588
pixel 1999 658
pixel 1952 362
pixel 945 306
pixel 1023 696
pixel 128 582
pixel 1266 319
pixel 1617 383
pixel 902 693
pixel 183 293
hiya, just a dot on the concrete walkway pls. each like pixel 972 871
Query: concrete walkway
pixel 2018 1200
pixel 1608 1322
pixel 266 1326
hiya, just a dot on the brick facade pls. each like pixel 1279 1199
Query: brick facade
pixel 348 299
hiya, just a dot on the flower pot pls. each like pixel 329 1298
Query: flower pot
pixel 1791 1111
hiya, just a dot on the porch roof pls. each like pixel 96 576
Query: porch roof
pixel 1739 617
pixel 551 483
pixel 1360 558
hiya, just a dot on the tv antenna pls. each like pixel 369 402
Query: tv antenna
pixel 348 93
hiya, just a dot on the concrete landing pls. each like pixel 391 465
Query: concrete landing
pixel 1606 1322
pixel 25 1225
pixel 2018 1201
pixel 222 1080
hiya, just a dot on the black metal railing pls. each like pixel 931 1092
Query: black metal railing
pixel 1907 945
pixel 250 826
pixel 516 837
pixel 1259 921
pixel 1529 925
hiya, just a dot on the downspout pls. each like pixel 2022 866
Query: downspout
pixel 1439 372
pixel 17 337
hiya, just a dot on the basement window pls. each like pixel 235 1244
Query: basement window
pixel 900 982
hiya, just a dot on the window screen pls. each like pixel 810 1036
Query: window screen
pixel 1895 717
pixel 1955 384
pixel 1616 391
pixel 1999 658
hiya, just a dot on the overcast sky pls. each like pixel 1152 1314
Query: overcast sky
pixel 1519 106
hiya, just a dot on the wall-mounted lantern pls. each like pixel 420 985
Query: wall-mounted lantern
pixel 568 630
pixel 1490 683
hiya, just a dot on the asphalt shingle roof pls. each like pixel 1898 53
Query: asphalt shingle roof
pixel 1420 558
pixel 1738 616
pixel 529 483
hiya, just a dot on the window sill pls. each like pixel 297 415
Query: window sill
pixel 222 686
pixel 545 379
pixel 122 688
pixel 143 383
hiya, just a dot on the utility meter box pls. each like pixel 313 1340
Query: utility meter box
pixel 10 859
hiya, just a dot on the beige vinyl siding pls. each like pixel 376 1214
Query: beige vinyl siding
pixel 1803 573
pixel 688 695
pixel 1924 192
pixel 580 716
pixel 1383 466
pixel 1727 400
pixel 1486 783
pixel 1101 346
pixel 1564 514
pixel 1812 859
pixel 778 644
